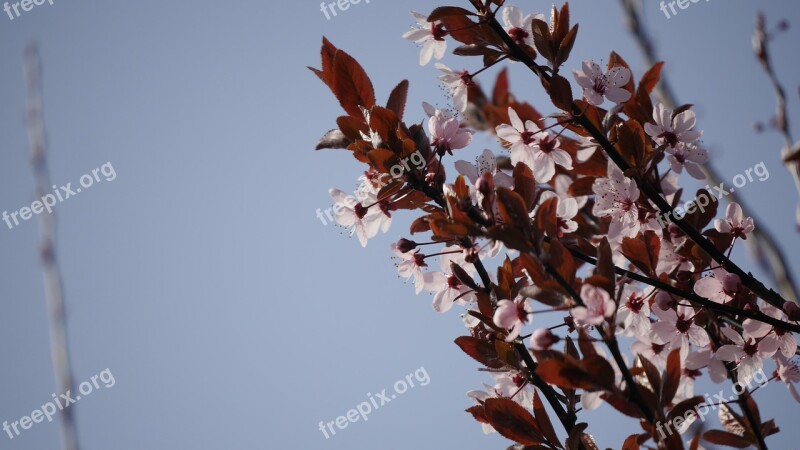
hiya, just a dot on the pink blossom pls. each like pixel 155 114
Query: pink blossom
pixel 688 156
pixel 597 85
pixel 789 373
pixel 458 84
pixel 365 222
pixel 430 36
pixel 485 163
pixel 734 222
pixel 747 351
pixel 543 339
pixel 720 288
pixel 616 198
pixel 634 313
pixel 519 27
pixel 513 385
pixel 672 130
pixel 678 327
pixel 598 306
pixel 447 134
pixel 513 315
pixel 654 352
pixel 410 266
pixel 446 286
pixel 537 149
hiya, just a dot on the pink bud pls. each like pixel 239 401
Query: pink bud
pixel 664 301
pixel 791 310
pixel 543 339
pixel 485 184
pixel 405 245
pixel 731 283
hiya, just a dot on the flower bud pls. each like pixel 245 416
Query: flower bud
pixel 543 339
pixel 405 245
pixel 664 301
pixel 791 310
pixel 731 283
pixel 485 184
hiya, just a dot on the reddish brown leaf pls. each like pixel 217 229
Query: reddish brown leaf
pixel 720 437
pixel 545 425
pixel 448 11
pixel 651 77
pixel 513 421
pixel 351 85
pixel 672 377
pixel 631 443
pixel 397 99
pixel 561 93
pixel 480 351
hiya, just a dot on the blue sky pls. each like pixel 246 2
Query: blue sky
pixel 201 276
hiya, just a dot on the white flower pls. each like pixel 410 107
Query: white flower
pixel 597 84
pixel 448 289
pixel 720 288
pixel 430 36
pixel 365 221
pixel 616 197
pixel 734 222
pixel 513 385
pixel 447 134
pixel 687 156
pixel 538 149
pixel 519 27
pixel 789 373
pixel 512 315
pixel 633 313
pixel 485 163
pixel 678 327
pixel 671 131
pixel 458 84
pixel 747 351
pixel 410 266
pixel 598 306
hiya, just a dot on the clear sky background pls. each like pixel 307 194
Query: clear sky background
pixel 201 277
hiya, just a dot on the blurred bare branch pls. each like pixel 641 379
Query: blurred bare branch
pixel 59 349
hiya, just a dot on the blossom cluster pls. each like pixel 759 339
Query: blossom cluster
pixel 567 212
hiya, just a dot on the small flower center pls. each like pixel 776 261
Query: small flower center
pixel 360 210
pixel 438 31
pixel 635 303
pixel 419 260
pixel 600 85
pixel 527 137
pixel 683 325
pixel 548 144
pixel 518 34
pixel 750 347
pixel 452 282
pixel 670 138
